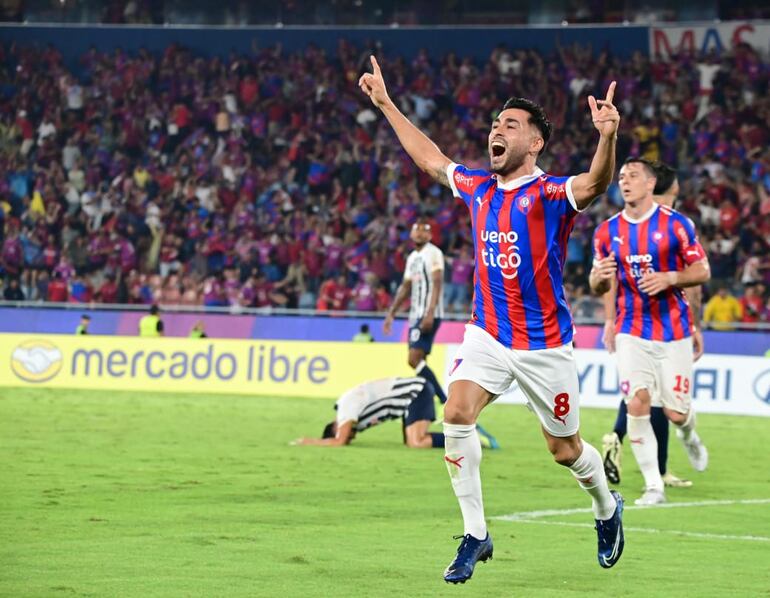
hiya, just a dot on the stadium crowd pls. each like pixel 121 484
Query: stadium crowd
pixel 268 180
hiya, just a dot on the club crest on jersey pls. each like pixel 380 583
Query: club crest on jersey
pixel 524 204
pixel 657 236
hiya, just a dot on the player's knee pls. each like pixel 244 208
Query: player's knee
pixel 457 412
pixel 639 404
pixel 565 452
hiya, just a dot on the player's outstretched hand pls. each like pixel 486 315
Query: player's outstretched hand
pixel 606 267
pixel 605 116
pixel 653 283
pixel 373 85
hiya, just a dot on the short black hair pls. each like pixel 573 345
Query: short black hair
pixel 85 317
pixel 364 327
pixel 329 430
pixel 154 309
pixel 648 166
pixel 665 175
pixel 537 116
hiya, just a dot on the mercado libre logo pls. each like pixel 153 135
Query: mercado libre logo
pixel 36 361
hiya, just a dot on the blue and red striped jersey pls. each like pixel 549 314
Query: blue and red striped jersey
pixel 520 232
pixel 661 241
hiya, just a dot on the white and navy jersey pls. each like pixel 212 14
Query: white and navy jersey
pixel 374 402
pixel 420 266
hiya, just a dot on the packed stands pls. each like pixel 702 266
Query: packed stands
pixel 269 179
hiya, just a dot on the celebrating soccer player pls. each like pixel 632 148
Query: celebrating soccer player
pixel 521 327
pixel 652 253
pixel 665 193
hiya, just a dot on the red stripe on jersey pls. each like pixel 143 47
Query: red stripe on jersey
pixel 539 256
pixel 516 314
pixel 636 314
pixel 674 311
pixel 487 301
pixel 674 305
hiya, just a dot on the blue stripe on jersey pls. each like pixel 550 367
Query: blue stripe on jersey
pixel 625 325
pixel 665 315
pixel 556 261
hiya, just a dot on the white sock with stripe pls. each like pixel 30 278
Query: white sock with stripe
pixel 644 445
pixel 463 459
pixel 588 470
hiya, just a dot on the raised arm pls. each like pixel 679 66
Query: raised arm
pixel 589 185
pixel 426 154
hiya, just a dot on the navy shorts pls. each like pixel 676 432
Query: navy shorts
pixel 422 340
pixel 421 407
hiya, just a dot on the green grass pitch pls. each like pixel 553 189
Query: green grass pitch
pixel 139 494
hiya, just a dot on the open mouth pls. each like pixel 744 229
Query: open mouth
pixel 498 149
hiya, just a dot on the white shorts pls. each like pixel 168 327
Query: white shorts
pixel 547 377
pixel 663 368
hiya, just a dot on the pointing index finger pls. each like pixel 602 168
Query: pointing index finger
pixel 375 66
pixel 610 92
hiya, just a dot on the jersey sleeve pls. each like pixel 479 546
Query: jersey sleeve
pixel 601 242
pixel 407 267
pixel 558 191
pixel 464 181
pixel 437 260
pixel 690 249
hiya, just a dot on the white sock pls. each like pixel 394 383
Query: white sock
pixel 463 458
pixel 645 448
pixel 688 427
pixel 589 473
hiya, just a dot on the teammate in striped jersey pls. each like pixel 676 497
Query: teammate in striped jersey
pixel 378 401
pixel 423 280
pixel 521 327
pixel 653 253
pixel 665 193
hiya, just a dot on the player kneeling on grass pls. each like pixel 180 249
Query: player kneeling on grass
pixel 372 403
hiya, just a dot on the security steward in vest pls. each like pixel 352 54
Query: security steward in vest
pixel 151 324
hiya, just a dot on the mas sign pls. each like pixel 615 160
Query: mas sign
pixel 719 37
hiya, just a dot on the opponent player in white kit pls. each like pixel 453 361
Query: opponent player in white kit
pixel 653 253
pixel 423 280
pixel 521 327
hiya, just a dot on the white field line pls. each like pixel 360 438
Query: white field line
pixel 536 517
pixel 528 515
pixel 649 530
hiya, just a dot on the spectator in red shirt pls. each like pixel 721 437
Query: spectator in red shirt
pixel 57 289
pixel 752 304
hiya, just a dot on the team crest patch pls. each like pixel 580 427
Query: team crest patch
pixel 455 365
pixel 657 236
pixel 524 204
